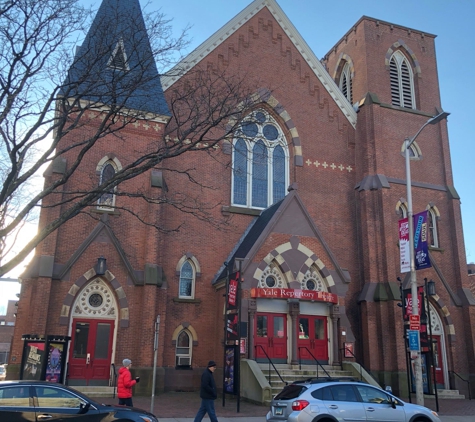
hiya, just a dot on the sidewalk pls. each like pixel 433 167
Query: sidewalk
pixel 182 407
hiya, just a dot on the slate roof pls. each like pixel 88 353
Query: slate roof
pixel 250 237
pixel 93 75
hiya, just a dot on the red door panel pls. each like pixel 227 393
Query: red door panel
pixel 90 352
pixel 271 336
pixel 312 338
pixel 439 372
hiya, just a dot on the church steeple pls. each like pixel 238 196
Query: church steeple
pixel 115 65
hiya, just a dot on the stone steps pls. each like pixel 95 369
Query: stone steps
pixel 290 375
pixel 92 391
pixel 448 394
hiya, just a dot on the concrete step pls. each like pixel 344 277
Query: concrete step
pixel 91 391
pixel 449 394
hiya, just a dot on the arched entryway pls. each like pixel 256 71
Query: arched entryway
pixel 439 348
pixel 93 331
pixel 290 312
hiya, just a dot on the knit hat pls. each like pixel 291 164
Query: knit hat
pixel 126 362
pixel 211 363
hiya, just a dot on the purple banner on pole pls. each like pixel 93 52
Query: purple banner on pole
pixel 421 249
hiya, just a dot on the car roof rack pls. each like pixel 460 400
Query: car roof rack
pixel 328 379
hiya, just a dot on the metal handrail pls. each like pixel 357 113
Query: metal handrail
pixel 114 379
pixel 271 363
pixel 361 366
pixel 315 359
pixel 464 380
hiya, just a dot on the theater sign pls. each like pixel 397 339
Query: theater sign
pixel 277 293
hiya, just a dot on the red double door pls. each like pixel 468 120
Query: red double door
pixel 312 339
pixel 90 352
pixel 270 338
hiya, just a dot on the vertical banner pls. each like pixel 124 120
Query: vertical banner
pixel 421 249
pixel 407 293
pixel 229 369
pixel 404 251
pixel 232 311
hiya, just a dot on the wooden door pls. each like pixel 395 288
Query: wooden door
pixel 270 336
pixel 90 352
pixel 312 339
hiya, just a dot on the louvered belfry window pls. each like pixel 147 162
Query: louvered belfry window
pixel 402 83
pixel 345 83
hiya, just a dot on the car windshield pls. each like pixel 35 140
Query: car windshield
pixel 2 370
pixel 290 392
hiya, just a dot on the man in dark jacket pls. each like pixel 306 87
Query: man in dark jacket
pixel 208 394
pixel 125 384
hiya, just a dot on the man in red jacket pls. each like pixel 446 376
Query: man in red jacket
pixel 125 384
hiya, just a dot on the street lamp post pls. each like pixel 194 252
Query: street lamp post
pixel 415 306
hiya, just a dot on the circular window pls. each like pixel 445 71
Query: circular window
pixel 95 300
pixel 270 132
pixel 311 285
pixel 260 117
pixel 270 281
pixel 249 129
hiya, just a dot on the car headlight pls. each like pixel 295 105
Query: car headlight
pixel 149 419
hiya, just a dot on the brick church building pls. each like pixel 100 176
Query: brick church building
pixel 311 195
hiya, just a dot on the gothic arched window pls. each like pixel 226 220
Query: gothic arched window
pixel 107 199
pixel 402 81
pixel 183 350
pixel 186 287
pixel 345 82
pixel 260 162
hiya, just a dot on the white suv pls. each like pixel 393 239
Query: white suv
pixel 326 400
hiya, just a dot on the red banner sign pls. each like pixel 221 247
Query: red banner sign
pixel 233 284
pixel 294 294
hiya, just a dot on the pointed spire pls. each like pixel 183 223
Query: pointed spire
pixel 115 63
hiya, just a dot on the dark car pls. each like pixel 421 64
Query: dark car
pixel 37 401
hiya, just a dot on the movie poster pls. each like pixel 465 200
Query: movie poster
pixel 53 365
pixel 34 361
pixel 230 354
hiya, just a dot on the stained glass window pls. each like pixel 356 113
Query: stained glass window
pixel 186 280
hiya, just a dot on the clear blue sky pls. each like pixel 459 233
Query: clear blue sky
pixel 322 24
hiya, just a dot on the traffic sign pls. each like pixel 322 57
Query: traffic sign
pixel 414 322
pixel 414 343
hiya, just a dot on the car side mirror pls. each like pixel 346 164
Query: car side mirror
pixel 84 407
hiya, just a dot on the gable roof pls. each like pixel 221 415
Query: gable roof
pixel 118 28
pixel 240 20
pixel 265 224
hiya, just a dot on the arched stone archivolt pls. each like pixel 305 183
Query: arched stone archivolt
pixel 276 258
pixel 85 279
pixel 400 44
pixel 344 58
pixel 185 326
pixel 444 313
pixel 192 258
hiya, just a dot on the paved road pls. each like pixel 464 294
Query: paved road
pixel 262 419
pixel 182 407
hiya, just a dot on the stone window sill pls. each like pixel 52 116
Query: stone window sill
pixel 180 300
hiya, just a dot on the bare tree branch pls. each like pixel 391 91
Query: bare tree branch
pixel 50 115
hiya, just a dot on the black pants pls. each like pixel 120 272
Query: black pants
pixel 126 402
